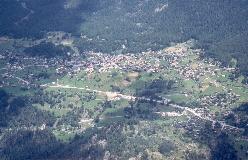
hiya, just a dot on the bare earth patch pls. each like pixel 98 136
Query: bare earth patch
pixel 125 83
pixel 133 75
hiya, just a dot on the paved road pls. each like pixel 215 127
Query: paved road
pixel 133 98
pixel 20 79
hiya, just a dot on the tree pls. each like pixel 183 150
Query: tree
pixel 223 150
pixel 166 147
pixel 192 155
pixel 246 131
pixel 19 145
pixel 16 104
pixel 3 100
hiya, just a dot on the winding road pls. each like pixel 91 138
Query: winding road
pixel 133 98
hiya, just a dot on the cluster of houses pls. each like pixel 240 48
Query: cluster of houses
pixel 219 99
pixel 189 70
pixel 99 62
pixel 149 61
pixel 22 69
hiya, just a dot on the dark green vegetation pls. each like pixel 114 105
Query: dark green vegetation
pixel 45 16
pixel 81 116
pixel 166 147
pixel 220 26
pixel 241 118
pixel 9 107
pixel 39 144
pixel 221 144
pixel 52 108
pixel 150 89
pixel 223 149
pixel 3 106
pixel 47 50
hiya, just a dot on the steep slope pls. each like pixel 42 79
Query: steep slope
pixel 134 26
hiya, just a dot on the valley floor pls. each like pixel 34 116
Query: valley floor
pixel 172 95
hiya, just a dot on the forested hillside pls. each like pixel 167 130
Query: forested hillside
pixel 123 79
pixel 219 26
